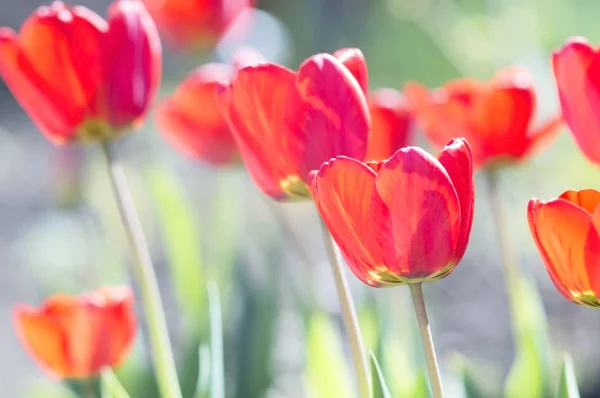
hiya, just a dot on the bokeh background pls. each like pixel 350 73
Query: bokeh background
pixel 59 229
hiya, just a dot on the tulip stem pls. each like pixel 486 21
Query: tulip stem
pixel 510 266
pixel 357 348
pixel 164 363
pixel 416 291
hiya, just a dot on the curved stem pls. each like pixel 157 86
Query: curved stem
pixel 357 348
pixel 509 263
pixel 416 291
pixel 164 363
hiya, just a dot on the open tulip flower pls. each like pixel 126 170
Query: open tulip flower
pixel 404 220
pixel 566 232
pixel 190 24
pixel 577 74
pixel 288 123
pixel 496 117
pixel 391 124
pixel 75 337
pixel 81 78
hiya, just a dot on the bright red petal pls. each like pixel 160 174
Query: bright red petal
pixel 354 60
pixel 342 191
pixel 560 229
pixel 192 121
pixel 458 162
pixel 571 64
pixel 331 118
pixel 258 99
pixel 131 62
pixel 390 124
pixel 420 233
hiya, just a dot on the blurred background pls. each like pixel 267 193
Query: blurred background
pixel 59 230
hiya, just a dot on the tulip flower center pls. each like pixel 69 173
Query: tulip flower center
pixel 295 188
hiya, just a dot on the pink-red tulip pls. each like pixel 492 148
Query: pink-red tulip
pixel 577 74
pixel 81 78
pixel 288 123
pixel 75 337
pixel 404 220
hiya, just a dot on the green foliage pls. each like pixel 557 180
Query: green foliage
pixel 530 372
pixel 567 385
pixel 379 388
pixel 217 372
pixel 327 370
pixel 111 387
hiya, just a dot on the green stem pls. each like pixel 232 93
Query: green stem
pixel 416 291
pixel 357 348
pixel 164 363
pixel 510 265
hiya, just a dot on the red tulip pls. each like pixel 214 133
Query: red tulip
pixel 404 220
pixel 288 123
pixel 577 74
pixel 75 337
pixel 195 23
pixel 496 117
pixel 79 77
pixel 191 120
pixel 566 232
pixel 391 124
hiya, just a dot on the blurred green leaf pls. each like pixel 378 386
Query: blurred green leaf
pixel 182 240
pixel 203 381
pixel 111 387
pixel 567 386
pixel 217 372
pixel 47 389
pixel 379 388
pixel 474 384
pixel 529 375
pixel 328 374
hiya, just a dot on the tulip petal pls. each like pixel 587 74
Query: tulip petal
pixel 560 230
pixel 332 118
pixel 257 102
pixel 342 191
pixel 390 124
pixel 131 61
pixel 571 65
pixel 354 60
pixel 588 199
pixel 458 162
pixel 191 120
pixel 420 232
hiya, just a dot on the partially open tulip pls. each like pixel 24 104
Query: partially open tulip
pixel 404 220
pixel 391 124
pixel 288 123
pixel 191 24
pixel 566 232
pixel 75 337
pixel 577 74
pixel 496 117
pixel 79 77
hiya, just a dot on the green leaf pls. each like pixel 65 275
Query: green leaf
pixel 217 373
pixel 111 387
pixel 327 373
pixel 567 386
pixel 475 382
pixel 529 375
pixel 379 388
pixel 182 240
pixel 203 380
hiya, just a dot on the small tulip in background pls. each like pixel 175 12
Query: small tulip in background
pixel 566 231
pixel 192 24
pixel 288 123
pixel 496 117
pixel 577 73
pixel 81 78
pixel 75 337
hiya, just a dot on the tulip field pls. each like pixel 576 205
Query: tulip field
pixel 321 199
